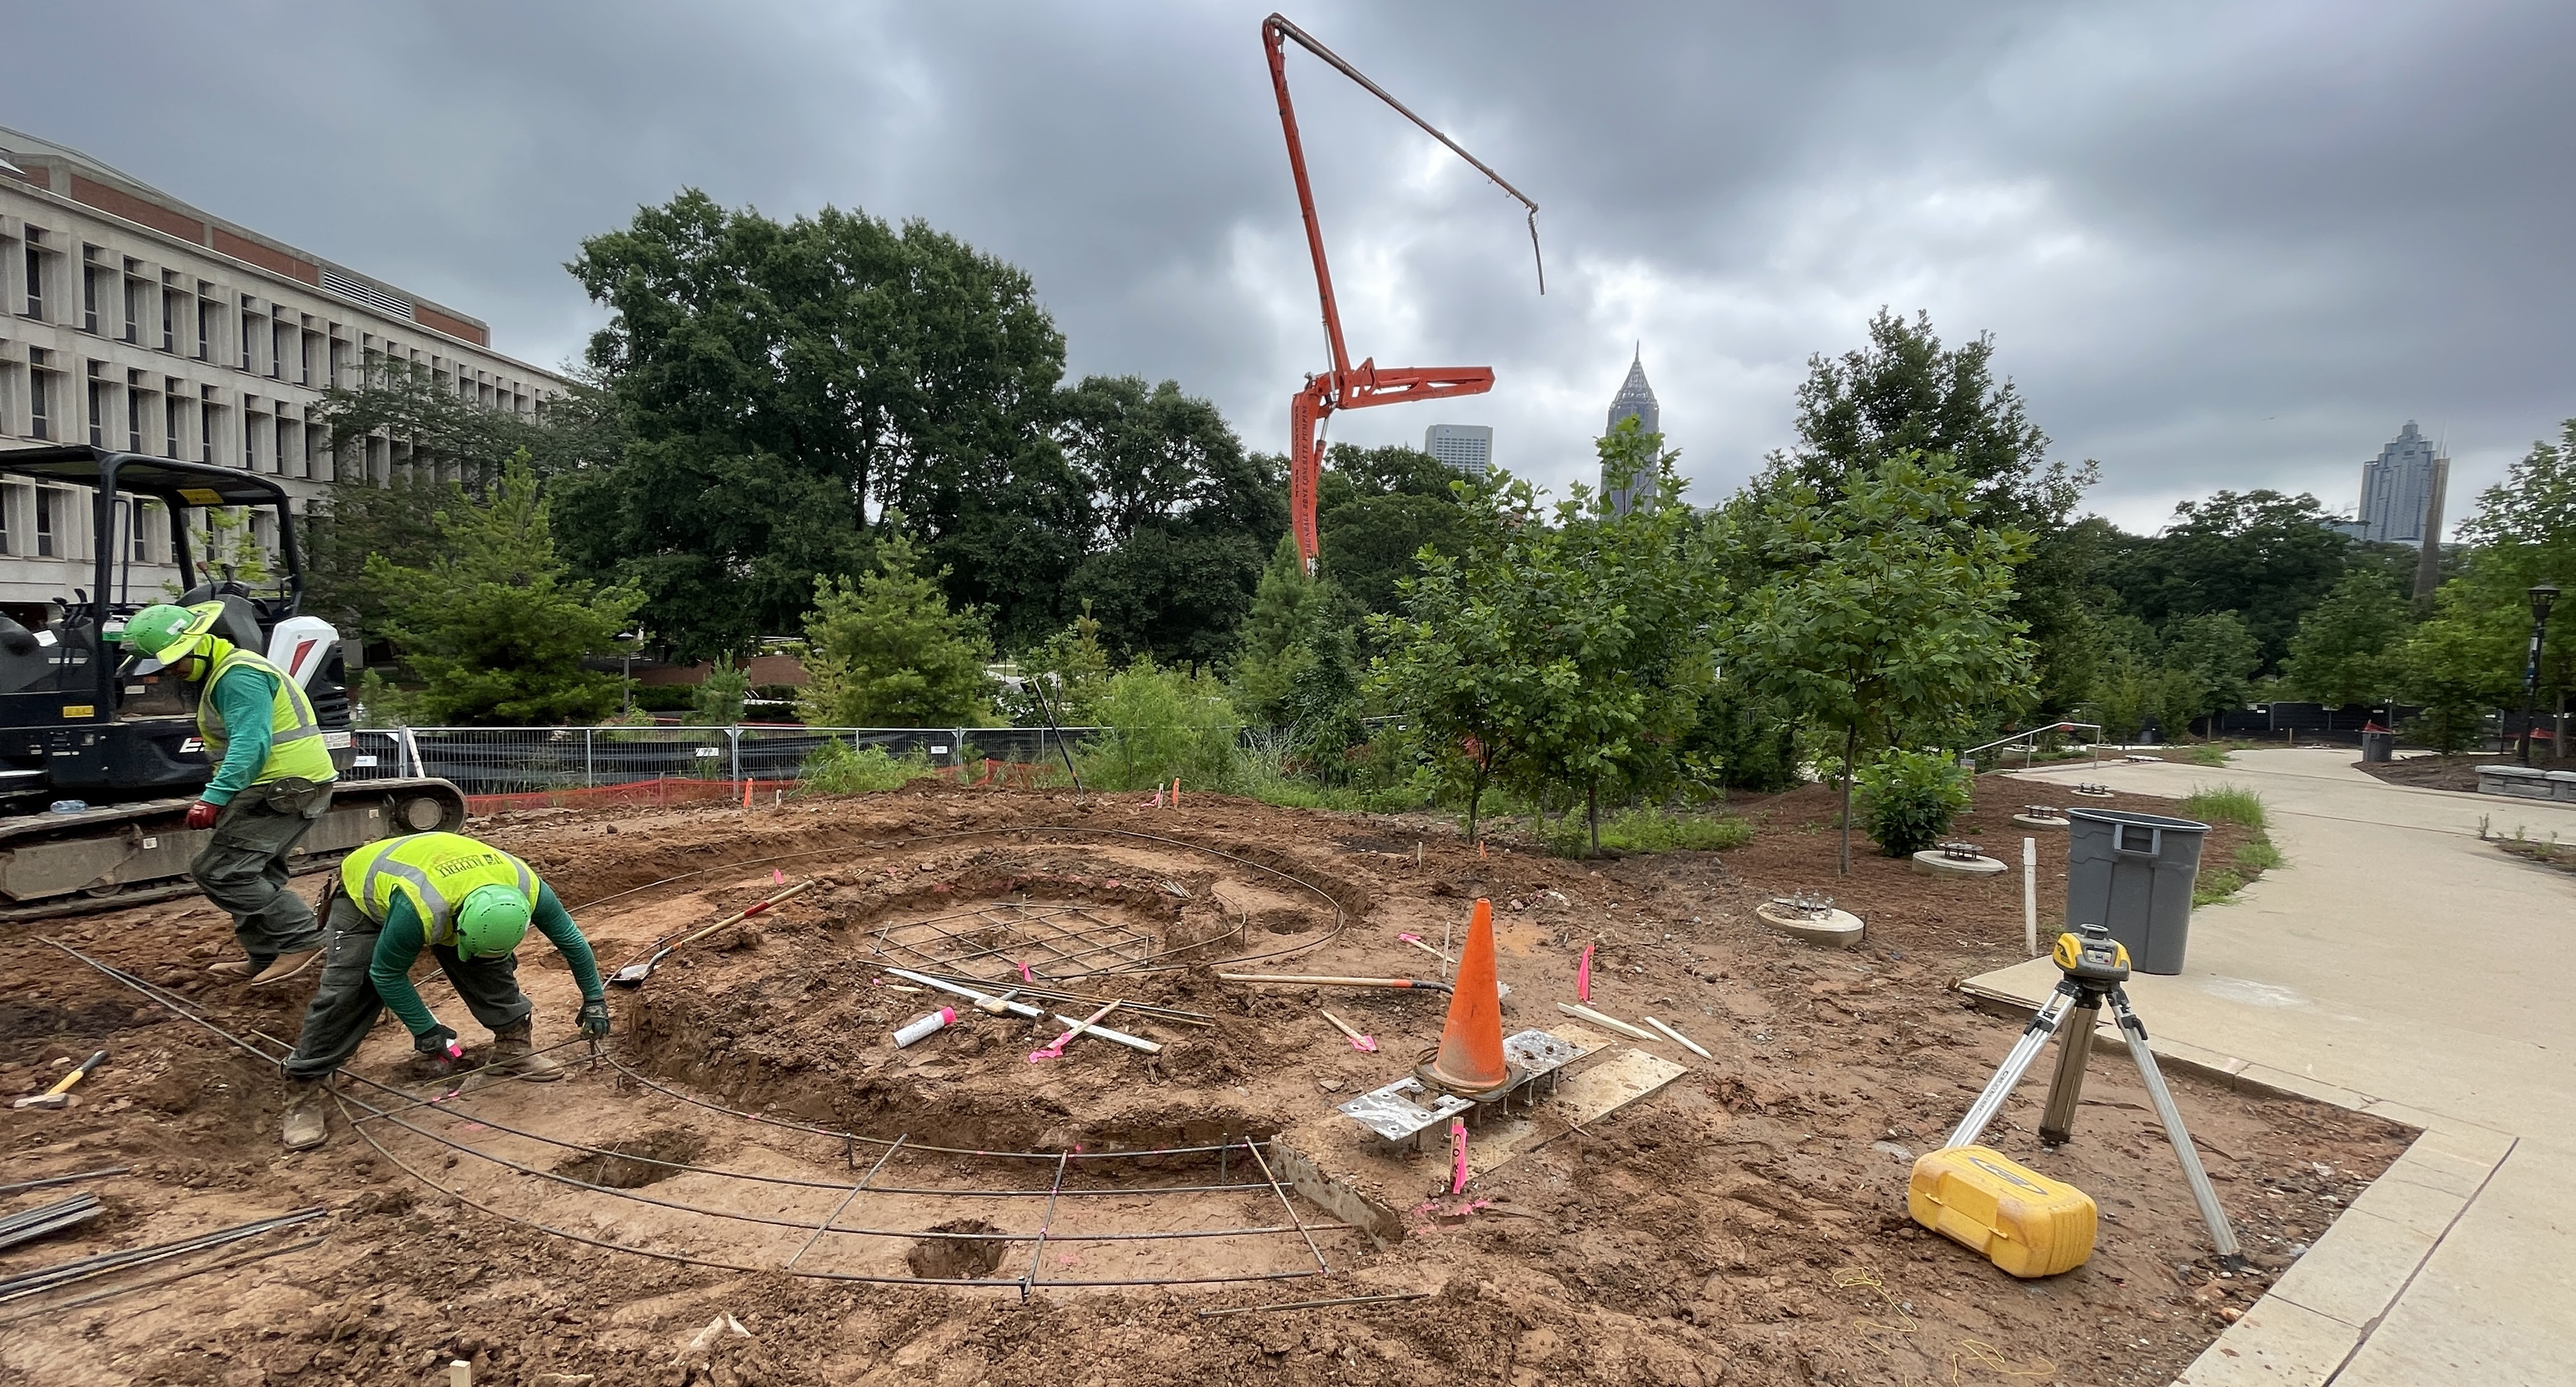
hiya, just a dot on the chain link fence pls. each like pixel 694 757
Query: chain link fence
pixel 688 760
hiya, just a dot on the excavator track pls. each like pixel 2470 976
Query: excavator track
pixel 114 856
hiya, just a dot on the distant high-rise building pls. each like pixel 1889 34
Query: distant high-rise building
pixel 2401 489
pixel 1635 400
pixel 1466 449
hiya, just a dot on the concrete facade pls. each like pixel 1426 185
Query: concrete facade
pixel 1635 400
pixel 1466 449
pixel 132 320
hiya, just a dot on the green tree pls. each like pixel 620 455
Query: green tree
pixel 2346 649
pixel 718 699
pixel 775 379
pixel 358 520
pixel 493 626
pixel 1567 652
pixel 1184 517
pixel 887 651
pixel 2470 654
pixel 2265 556
pixel 1376 509
pixel 1907 392
pixel 1885 610
pixel 441 426
pixel 2211 660
pixel 1075 668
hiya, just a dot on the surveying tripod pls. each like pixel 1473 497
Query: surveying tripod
pixel 2094 965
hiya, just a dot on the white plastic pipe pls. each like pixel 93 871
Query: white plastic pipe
pixel 2030 894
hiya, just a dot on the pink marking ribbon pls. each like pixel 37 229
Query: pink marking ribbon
pixel 1457 1156
pixel 1024 973
pixel 1583 976
pixel 1366 1044
pixel 777 877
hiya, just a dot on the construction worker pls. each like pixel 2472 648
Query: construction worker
pixel 469 904
pixel 272 779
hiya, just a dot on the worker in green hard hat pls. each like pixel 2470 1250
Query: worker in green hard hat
pixel 469 904
pixel 272 779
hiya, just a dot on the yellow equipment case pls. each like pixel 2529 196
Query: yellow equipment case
pixel 2015 1217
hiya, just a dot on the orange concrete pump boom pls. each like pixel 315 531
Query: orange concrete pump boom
pixel 1344 386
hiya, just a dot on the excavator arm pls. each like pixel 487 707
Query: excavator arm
pixel 1342 385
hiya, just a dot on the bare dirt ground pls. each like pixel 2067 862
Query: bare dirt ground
pixel 2458 773
pixel 1745 1224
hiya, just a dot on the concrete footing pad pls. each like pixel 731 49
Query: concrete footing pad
pixel 1931 863
pixel 1834 929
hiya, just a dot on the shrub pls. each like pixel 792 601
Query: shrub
pixel 837 768
pixel 1909 799
pixel 2224 804
pixel 1652 830
pixel 1159 723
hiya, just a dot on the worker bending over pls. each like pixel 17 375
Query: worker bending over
pixel 272 779
pixel 469 904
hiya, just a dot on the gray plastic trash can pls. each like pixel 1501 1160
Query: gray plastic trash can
pixel 2133 873
pixel 2378 746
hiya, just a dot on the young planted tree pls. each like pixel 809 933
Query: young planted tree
pixel 887 651
pixel 2469 655
pixel 493 625
pixel 2210 662
pixel 1885 612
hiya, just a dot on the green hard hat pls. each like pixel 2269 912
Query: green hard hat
pixel 156 628
pixel 491 921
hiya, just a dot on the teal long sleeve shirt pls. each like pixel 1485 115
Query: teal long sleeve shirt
pixel 399 944
pixel 247 698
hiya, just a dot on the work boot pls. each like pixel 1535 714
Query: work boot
pixel 514 1057
pixel 285 966
pixel 304 1126
pixel 234 969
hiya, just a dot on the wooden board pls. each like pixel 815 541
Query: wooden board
pixel 1580 1099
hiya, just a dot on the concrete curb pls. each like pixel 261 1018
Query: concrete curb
pixel 2315 1319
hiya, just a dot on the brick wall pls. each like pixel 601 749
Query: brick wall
pixel 242 248
pixel 436 321
pixel 117 203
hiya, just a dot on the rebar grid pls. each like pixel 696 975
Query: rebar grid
pixel 1127 945
pixel 188 1010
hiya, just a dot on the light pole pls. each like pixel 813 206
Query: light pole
pixel 2541 596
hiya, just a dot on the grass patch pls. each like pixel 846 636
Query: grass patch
pixel 836 769
pixel 2251 860
pixel 1651 830
pixel 2225 804
pixel 2206 753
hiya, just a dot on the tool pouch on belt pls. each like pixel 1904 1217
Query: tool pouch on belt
pixel 295 795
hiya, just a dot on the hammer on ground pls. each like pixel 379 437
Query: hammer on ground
pixel 60 1095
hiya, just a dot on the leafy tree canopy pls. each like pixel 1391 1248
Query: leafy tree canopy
pixel 2265 556
pixel 1377 508
pixel 2346 649
pixel 492 624
pixel 887 651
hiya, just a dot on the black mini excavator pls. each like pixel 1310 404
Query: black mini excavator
pixel 99 754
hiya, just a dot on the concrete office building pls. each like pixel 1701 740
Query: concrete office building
pixel 2401 490
pixel 132 320
pixel 1466 449
pixel 1635 400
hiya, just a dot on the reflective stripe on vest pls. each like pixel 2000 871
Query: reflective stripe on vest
pixel 433 871
pixel 295 746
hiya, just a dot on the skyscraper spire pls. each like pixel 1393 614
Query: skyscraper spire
pixel 1635 400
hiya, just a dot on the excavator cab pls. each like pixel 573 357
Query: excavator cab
pixel 99 753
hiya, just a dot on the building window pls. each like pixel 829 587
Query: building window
pixel 169 321
pixel 134 311
pixel 246 331
pixel 250 444
pixel 40 422
pixel 133 420
pixel 285 441
pixel 171 418
pixel 35 280
pixel 98 414
pixel 8 503
pixel 277 351
pixel 205 330
pixel 206 429
pixel 45 523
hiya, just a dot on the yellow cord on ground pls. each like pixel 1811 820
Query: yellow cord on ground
pixel 1850 1277
pixel 1985 1355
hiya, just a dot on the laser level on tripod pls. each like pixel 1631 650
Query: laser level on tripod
pixel 2094 965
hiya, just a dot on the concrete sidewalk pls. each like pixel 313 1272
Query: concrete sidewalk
pixel 2400 966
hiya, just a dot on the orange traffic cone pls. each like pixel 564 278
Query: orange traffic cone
pixel 1470 1058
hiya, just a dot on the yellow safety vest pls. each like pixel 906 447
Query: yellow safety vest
pixel 295 746
pixel 433 871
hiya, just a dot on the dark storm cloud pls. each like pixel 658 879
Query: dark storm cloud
pixel 2219 245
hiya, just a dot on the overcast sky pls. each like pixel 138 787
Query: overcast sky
pixel 2219 245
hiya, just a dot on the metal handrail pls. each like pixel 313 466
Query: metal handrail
pixel 2031 735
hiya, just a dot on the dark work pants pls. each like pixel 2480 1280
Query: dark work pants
pixel 243 870
pixel 345 1003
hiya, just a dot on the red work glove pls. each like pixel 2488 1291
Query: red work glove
pixel 202 814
